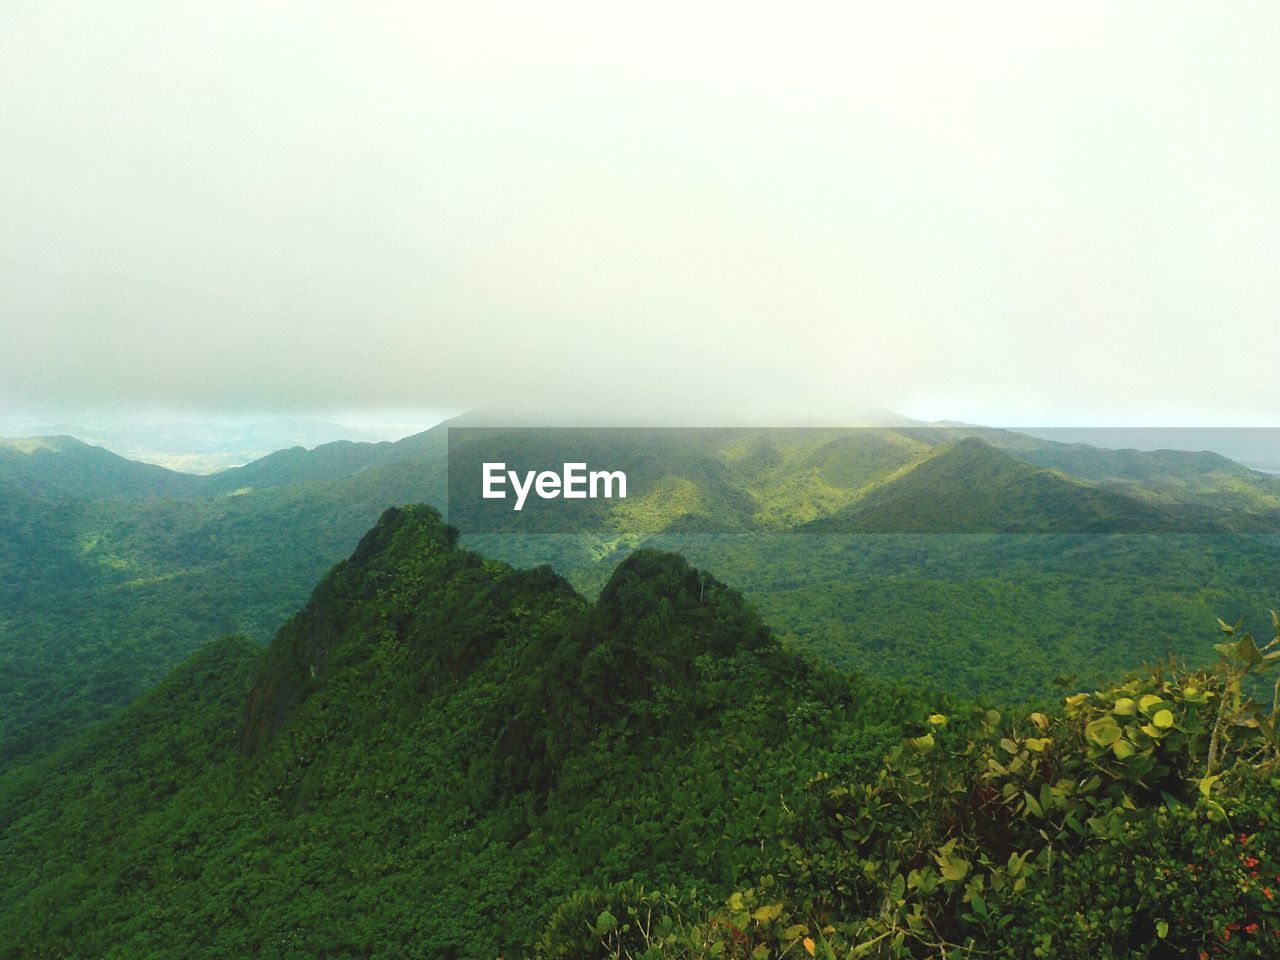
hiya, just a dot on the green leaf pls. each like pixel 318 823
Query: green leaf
pixel 604 923
pixel 1104 731
pixel 1247 651
pixel 1123 749
pixel 898 887
pixel 767 914
pixel 1163 719
pixel 1162 928
pixel 1150 703
pixel 923 744
pixel 1268 731
pixel 952 868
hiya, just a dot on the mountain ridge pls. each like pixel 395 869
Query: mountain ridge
pixel 477 762
pixel 104 595
pixel 970 486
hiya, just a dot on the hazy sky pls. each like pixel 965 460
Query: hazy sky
pixel 1016 212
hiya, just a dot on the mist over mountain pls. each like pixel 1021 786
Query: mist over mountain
pixel 578 481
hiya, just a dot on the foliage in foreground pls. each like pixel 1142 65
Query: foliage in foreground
pixel 1139 821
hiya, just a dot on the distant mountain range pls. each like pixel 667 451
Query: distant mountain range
pixel 113 570
pixel 1256 447
pixel 888 479
pixel 193 445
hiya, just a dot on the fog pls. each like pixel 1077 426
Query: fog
pixel 1017 213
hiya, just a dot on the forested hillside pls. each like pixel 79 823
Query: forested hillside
pixel 1005 615
pixel 99 598
pixel 114 571
pixel 441 755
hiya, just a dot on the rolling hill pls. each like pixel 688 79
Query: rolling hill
pixel 971 487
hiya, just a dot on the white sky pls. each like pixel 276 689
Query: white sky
pixel 1014 212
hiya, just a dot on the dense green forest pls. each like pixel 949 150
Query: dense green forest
pixel 442 755
pixel 111 572
pixel 1004 615
pixel 100 597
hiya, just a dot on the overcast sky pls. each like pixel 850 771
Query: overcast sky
pixel 1016 212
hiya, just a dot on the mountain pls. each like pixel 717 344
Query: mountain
pixel 1254 447
pixel 106 595
pixel 971 487
pixel 1199 478
pixel 725 479
pixel 444 756
pixel 198 446
pixel 104 592
pixel 434 751
pixel 68 466
pixel 884 479
pixel 340 460
pixel 76 469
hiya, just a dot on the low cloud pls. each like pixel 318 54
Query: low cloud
pixel 1000 211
